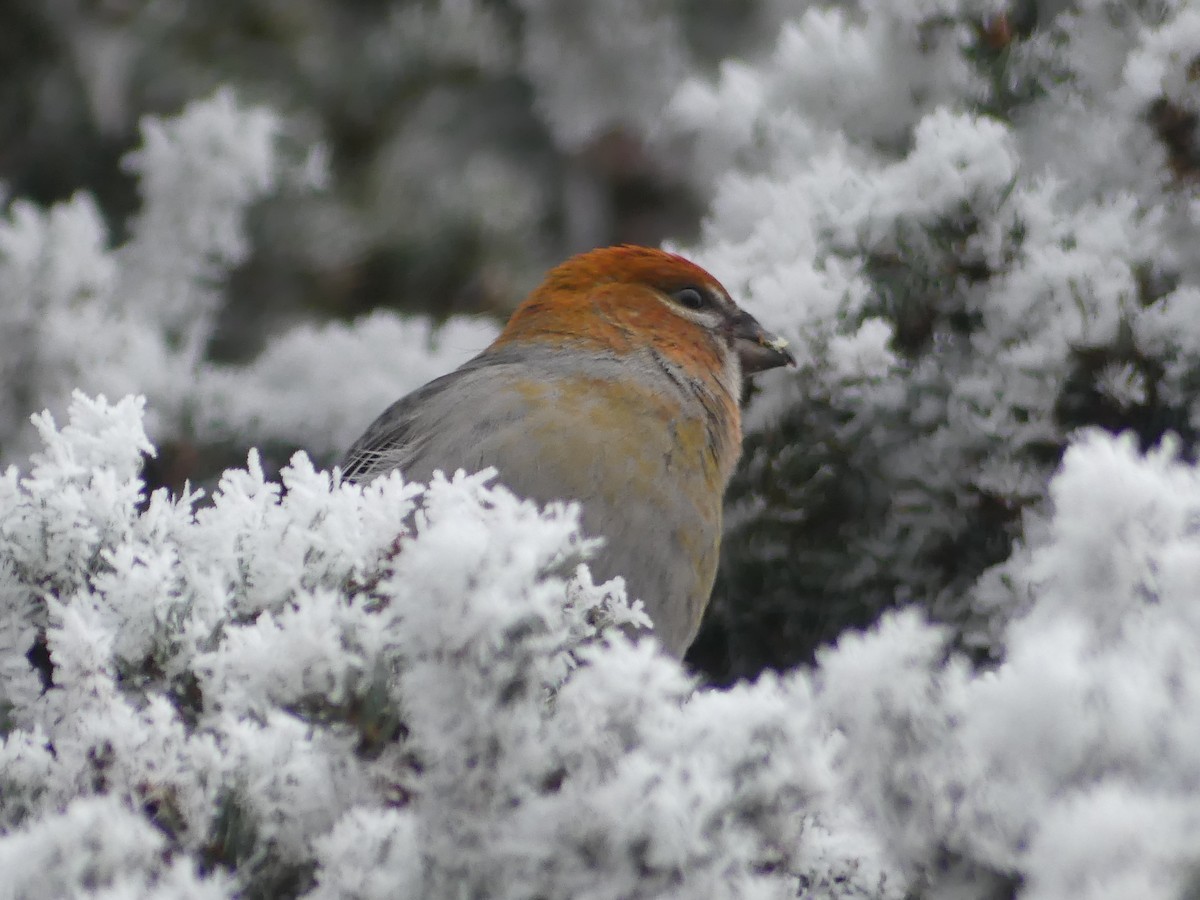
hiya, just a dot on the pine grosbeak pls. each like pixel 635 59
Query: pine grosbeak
pixel 617 384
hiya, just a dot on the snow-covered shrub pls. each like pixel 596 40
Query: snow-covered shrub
pixel 978 226
pixel 471 143
pixel 1069 769
pixel 316 688
pixel 302 676
pixel 78 312
pixel 319 386
pixel 573 56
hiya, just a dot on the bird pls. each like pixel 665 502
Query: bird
pixel 618 384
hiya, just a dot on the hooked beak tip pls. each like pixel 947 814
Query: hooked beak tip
pixel 780 346
pixel 757 348
pixel 762 352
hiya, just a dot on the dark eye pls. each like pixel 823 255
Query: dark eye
pixel 692 298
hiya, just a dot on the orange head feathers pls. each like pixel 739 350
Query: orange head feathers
pixel 631 298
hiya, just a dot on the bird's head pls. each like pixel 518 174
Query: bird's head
pixel 627 299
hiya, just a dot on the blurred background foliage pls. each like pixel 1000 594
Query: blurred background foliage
pixel 451 188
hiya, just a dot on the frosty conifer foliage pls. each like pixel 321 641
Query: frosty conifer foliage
pixel 365 366
pixel 78 312
pixel 83 314
pixel 1070 760
pixel 572 55
pixel 253 694
pixel 976 224
pixel 319 689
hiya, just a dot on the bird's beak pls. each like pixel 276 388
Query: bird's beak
pixel 758 349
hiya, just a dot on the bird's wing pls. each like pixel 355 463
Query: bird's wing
pixel 447 424
pixel 395 437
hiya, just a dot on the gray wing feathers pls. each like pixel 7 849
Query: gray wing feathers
pixel 389 441
pixel 427 430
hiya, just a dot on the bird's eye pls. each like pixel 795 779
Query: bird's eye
pixel 692 298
